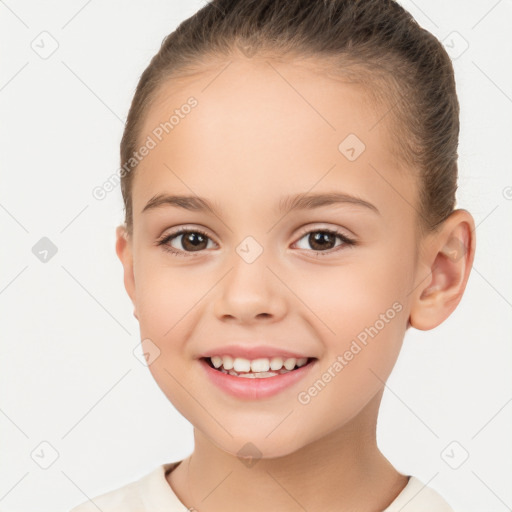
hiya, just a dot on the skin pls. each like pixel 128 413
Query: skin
pixel 252 140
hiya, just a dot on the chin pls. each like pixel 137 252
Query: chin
pixel 251 447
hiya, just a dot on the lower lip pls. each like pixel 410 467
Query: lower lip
pixel 254 388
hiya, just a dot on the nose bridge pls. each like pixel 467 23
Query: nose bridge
pixel 250 289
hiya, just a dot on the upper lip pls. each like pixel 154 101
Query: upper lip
pixel 251 352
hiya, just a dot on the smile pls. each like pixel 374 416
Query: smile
pixel 256 378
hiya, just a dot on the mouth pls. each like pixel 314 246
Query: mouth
pixel 259 378
pixel 260 368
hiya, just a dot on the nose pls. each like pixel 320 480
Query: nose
pixel 250 293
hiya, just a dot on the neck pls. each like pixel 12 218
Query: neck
pixel 343 471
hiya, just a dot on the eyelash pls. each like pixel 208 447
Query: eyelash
pixel 167 238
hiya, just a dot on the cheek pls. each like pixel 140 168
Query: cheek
pixel 369 329
pixel 343 300
pixel 361 313
pixel 164 297
pixel 167 301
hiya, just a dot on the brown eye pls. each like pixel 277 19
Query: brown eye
pixel 323 240
pixel 190 240
pixel 193 241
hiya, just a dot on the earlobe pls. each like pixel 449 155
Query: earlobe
pixel 448 259
pixel 124 253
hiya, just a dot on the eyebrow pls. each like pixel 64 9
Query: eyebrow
pixel 287 204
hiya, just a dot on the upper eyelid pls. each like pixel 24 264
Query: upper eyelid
pixel 187 228
pixel 338 230
pixel 181 230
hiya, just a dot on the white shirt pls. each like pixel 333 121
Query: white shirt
pixel 152 493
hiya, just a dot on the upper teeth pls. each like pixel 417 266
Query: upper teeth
pixel 263 364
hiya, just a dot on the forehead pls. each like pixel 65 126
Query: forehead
pixel 261 125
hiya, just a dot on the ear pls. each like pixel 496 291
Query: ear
pixel 443 272
pixel 125 254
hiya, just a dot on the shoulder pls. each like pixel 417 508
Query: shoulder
pixel 125 498
pixel 128 498
pixel 418 497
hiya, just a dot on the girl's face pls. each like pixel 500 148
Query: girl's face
pixel 259 274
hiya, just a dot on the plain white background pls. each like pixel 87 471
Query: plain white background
pixel 72 388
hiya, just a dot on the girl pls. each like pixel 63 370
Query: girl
pixel 289 171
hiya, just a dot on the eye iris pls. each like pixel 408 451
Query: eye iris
pixel 320 237
pixel 193 238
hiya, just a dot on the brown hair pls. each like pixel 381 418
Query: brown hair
pixel 376 42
